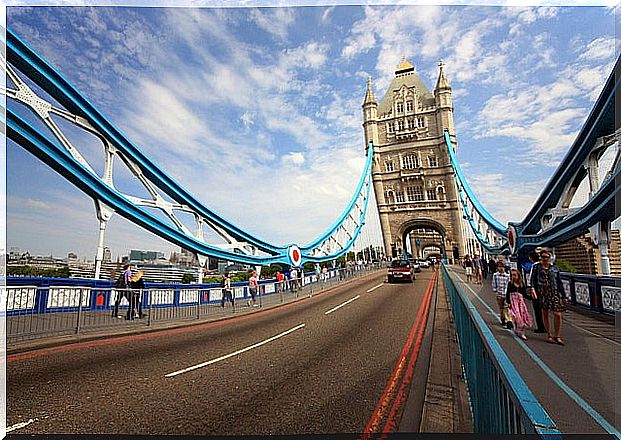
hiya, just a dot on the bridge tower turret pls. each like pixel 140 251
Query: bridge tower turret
pixel 369 107
pixel 413 179
pixel 444 102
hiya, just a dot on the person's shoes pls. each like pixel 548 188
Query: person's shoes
pixel 509 325
pixel 558 340
pixel 248 303
pixel 120 317
pixel 524 337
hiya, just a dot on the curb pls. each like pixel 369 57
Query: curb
pixel 32 345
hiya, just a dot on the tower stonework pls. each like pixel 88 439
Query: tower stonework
pixel 412 176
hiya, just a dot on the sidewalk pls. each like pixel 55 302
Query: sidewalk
pixel 109 327
pixel 576 383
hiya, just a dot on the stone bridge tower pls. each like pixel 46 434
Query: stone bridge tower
pixel 412 176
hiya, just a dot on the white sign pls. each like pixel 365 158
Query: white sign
pixel 238 292
pixel 59 297
pixel 269 288
pixel 188 296
pixel 161 296
pixel 20 298
pixel 215 294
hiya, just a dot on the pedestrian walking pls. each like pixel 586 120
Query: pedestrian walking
pixel 227 291
pixel 534 260
pixel 293 279
pixel 280 278
pixel 499 287
pixel 324 274
pixel 468 267
pixel 516 292
pixel 548 287
pixel 253 288
pixel 478 270
pixel 491 265
pixel 137 288
pixel 122 287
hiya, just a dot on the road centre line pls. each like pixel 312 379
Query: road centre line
pixel 221 358
pixel 597 417
pixel 376 287
pixel 341 305
pixel 20 425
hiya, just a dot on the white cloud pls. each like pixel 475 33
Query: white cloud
pixel 293 159
pixel 275 21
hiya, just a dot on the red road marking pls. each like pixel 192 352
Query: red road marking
pixel 404 389
pixel 374 423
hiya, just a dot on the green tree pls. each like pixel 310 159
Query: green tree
pixel 565 266
pixel 188 278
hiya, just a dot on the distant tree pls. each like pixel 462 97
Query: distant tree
pixel 188 278
pixel 565 266
pixel 30 271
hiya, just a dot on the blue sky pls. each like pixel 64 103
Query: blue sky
pixel 257 111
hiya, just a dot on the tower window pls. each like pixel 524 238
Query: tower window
pixel 421 122
pixel 411 162
pixel 400 197
pixel 431 194
pixel 399 107
pixel 391 127
pixel 409 105
pixel 389 166
pixel 389 196
pixel 433 161
pixel 401 124
pixel 415 193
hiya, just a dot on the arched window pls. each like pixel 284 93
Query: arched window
pixel 389 166
pixel 400 196
pixel 401 125
pixel 391 127
pixel 409 106
pixel 431 194
pixel 410 162
pixel 420 122
pixel 399 107
pixel 433 161
pixel 389 197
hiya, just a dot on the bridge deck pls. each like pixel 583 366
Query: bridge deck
pixel 577 383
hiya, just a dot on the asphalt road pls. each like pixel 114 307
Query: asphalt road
pixel 306 367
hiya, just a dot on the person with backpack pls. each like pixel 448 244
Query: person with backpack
pixel 122 291
pixel 137 286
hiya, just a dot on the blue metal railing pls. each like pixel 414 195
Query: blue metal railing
pixel 501 401
pixel 601 294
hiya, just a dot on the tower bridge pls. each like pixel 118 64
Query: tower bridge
pixel 338 349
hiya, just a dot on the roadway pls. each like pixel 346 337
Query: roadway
pixel 577 384
pixel 338 362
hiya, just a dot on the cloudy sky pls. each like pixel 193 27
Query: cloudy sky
pixel 257 111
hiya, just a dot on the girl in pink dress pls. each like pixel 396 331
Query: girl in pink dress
pixel 516 291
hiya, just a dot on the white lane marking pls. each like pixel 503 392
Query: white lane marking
pixel 341 305
pixel 221 358
pixel 376 287
pixel 20 425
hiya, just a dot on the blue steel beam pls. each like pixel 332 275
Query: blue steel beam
pixel 600 122
pixel 37 69
pixel 489 219
pixel 46 77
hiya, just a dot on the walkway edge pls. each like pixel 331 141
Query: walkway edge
pixel 31 345
pixel 446 407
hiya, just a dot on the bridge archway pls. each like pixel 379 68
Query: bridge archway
pixel 415 234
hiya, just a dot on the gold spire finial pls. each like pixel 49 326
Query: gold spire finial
pixel 404 66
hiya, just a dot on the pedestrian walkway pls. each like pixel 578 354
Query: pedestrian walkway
pixel 577 384
pixel 54 329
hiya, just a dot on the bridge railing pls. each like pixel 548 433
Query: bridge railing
pixel 501 402
pixel 597 293
pixel 42 308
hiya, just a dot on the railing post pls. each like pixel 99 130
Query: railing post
pixel 149 308
pixel 77 327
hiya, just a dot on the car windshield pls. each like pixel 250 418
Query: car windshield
pixel 399 263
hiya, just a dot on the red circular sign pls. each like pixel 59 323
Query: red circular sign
pixel 295 255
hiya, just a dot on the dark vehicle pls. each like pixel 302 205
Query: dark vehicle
pixel 401 270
